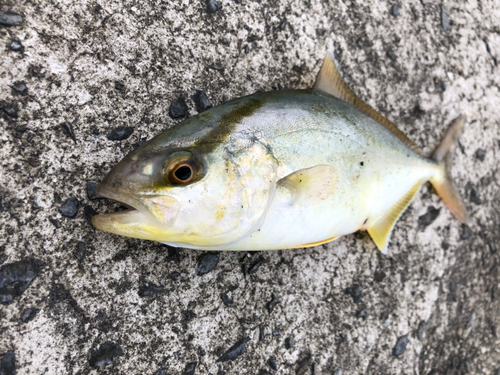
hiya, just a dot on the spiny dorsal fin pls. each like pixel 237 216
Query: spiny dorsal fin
pixel 380 230
pixel 310 185
pixel 330 82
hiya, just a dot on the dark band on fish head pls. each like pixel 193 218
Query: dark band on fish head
pixel 227 124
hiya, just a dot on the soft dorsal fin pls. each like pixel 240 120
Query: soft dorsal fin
pixel 380 230
pixel 330 82
pixel 310 185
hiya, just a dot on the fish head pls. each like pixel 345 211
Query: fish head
pixel 190 195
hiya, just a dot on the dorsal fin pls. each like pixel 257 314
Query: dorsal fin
pixel 330 82
pixel 380 230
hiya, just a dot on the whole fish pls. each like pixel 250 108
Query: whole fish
pixel 276 170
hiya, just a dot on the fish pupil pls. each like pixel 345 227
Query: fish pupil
pixel 183 173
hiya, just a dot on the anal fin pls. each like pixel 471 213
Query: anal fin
pixel 380 230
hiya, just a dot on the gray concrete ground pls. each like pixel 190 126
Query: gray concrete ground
pixel 105 304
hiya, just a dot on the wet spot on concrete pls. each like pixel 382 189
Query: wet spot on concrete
pixel 107 353
pixel 121 133
pixel 29 314
pixel 234 351
pixel 69 208
pixel 15 278
pixel 400 346
pixel 178 108
pixel 207 263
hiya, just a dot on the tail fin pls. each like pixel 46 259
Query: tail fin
pixel 442 182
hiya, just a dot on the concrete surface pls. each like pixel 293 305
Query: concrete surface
pixel 101 65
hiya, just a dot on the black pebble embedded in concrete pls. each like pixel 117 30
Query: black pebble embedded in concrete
pixel 271 304
pixel 92 190
pixel 421 330
pixel 466 232
pixel 201 101
pixel 80 251
pixel 213 6
pixel 10 109
pixel 427 218
pixel 10 19
pixel 355 292
pixel 120 86
pixel 121 133
pixel 162 371
pixel 445 20
pixel 190 368
pixel 261 332
pixel 68 129
pixel 400 347
pixel 362 314
pixel 150 290
pixel 272 363
pixel 395 10
pixel 16 46
pixel 19 88
pixel 228 301
pixel 276 332
pixel 29 314
pixel 224 41
pixel 88 213
pixel 178 108
pixel 56 223
pixel 379 276
pixel 234 351
pixel 473 197
pixel 15 279
pixel 255 267
pixel 173 254
pixel 107 353
pixel 207 263
pixel 69 208
pixel 480 154
pixel 8 364
pixel 288 343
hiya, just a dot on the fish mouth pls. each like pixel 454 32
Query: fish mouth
pixel 135 222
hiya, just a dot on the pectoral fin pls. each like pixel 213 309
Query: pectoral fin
pixel 330 81
pixel 380 230
pixel 311 185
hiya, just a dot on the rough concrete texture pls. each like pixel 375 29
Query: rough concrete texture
pixel 113 305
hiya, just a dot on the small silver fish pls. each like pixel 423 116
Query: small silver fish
pixel 276 170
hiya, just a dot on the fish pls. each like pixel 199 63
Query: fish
pixel 277 170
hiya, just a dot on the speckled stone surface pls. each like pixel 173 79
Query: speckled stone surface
pixel 109 305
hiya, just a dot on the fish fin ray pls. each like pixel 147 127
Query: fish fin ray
pixel 330 82
pixel 442 182
pixel 380 231
pixel 313 244
pixel 310 185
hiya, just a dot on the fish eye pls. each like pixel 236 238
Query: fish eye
pixel 181 171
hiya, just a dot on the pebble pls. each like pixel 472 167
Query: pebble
pixel 121 133
pixel 224 41
pixel 55 222
pixel 150 290
pixel 10 19
pixel 480 154
pixel 272 363
pixel 234 351
pixel 69 208
pixel 207 263
pixel 88 212
pixel 107 353
pixel 174 276
pixel 362 314
pixel 473 197
pixel 271 304
pixel 29 314
pixel 228 301
pixel 400 347
pixel 162 371
pixel 261 332
pixel 276 332
pixel 395 10
pixel 213 6
pixel 255 267
pixel 19 87
pixel 355 292
pixel 80 251
pixel 16 46
pixel 15 279
pixel 466 232
pixel 8 364
pixel 120 86
pixel 190 368
pixel 421 330
pixel 391 55
pixel 264 372
pixel 427 218
pixel 201 101
pixel 178 108
pixel 288 343
pixel 92 190
pixel 445 20
pixel 10 109
pixel 34 162
pixel 379 276
pixel 492 246
pixel 68 129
